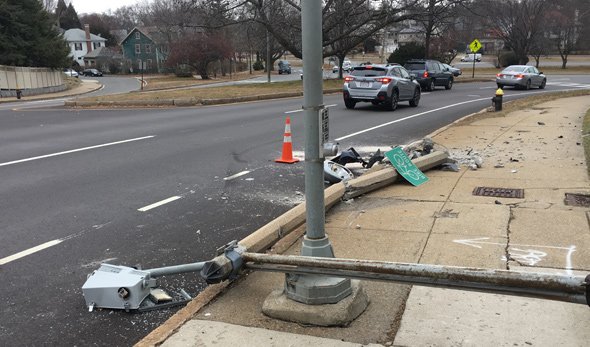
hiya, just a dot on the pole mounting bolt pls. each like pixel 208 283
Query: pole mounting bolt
pixel 123 293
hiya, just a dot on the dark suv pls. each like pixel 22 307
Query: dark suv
pixel 430 73
pixel 284 67
pixel 380 84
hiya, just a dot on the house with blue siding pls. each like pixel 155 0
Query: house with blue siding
pixel 145 49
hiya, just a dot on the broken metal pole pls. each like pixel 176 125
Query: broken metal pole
pixel 568 288
pixel 176 269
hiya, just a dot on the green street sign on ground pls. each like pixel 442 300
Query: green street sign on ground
pixel 404 166
pixel 475 46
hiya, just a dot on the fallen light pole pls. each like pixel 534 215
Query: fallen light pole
pixel 127 288
pixel 574 289
pixel 120 287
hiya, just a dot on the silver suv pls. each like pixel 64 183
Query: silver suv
pixel 380 84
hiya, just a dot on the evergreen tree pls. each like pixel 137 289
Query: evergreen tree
pixel 28 36
pixel 69 19
pixel 60 8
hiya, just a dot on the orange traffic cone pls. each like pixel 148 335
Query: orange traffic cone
pixel 287 156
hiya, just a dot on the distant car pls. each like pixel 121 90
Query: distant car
pixel 470 57
pixel 71 73
pixel 92 72
pixel 385 85
pixel 284 67
pixel 430 73
pixel 456 71
pixel 521 76
pixel 346 66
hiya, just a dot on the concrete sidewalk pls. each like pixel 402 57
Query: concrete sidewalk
pixel 440 222
pixel 86 86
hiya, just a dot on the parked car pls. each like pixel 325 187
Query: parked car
pixel 284 67
pixel 380 85
pixel 430 73
pixel 454 70
pixel 521 76
pixel 71 73
pixel 92 72
pixel 346 66
pixel 471 56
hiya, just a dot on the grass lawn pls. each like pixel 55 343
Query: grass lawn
pixel 216 92
pixel 154 82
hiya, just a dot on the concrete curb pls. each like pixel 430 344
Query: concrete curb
pixel 269 234
pixel 384 177
pixel 477 79
pixel 187 102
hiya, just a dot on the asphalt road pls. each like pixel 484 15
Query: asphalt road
pixel 77 184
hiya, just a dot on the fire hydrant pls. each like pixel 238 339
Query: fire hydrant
pixel 497 100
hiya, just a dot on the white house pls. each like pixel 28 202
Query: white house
pixel 411 34
pixel 82 42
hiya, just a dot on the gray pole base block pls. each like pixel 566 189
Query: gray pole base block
pixel 278 306
pixel 317 247
pixel 316 289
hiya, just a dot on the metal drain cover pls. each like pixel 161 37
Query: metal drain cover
pixel 573 199
pixel 499 192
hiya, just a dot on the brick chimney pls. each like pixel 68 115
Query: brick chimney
pixel 88 42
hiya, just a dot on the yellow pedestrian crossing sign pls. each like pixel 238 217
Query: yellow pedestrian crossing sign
pixel 475 46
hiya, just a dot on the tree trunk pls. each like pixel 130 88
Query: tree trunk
pixel 340 62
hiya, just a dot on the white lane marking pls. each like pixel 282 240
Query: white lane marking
pixel 75 150
pixel 50 244
pixel 159 203
pixel 421 114
pixel 301 110
pixel 229 178
pixel 29 251
pixel 574 85
pixel 487 87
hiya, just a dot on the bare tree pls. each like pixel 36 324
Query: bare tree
pixel 517 22
pixel 346 23
pixel 436 17
pixel 541 45
pixel 49 5
pixel 564 20
pixel 198 51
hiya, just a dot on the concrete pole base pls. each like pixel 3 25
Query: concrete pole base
pixel 278 305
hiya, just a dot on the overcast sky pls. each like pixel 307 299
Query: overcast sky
pixel 100 6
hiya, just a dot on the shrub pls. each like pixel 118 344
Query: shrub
pixel 114 67
pixel 258 65
pixel 406 52
pixel 509 58
pixel 183 71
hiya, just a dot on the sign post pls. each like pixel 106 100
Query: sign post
pixel 474 46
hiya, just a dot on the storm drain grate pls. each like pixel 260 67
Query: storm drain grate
pixel 499 192
pixel 573 199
